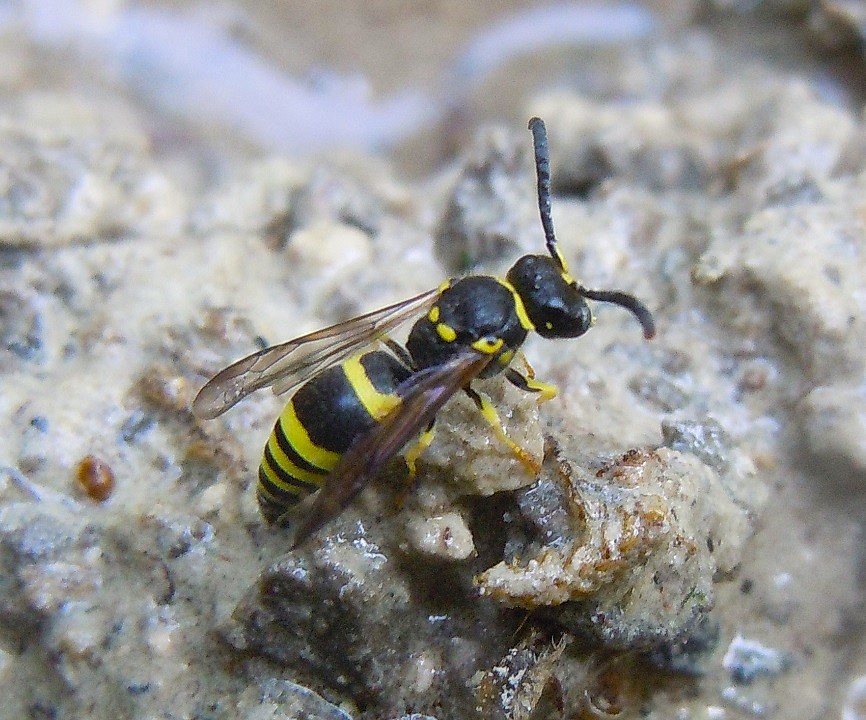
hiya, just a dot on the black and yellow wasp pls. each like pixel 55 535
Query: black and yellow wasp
pixel 363 396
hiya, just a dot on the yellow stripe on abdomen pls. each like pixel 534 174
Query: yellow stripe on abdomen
pixel 277 483
pixel 290 468
pixel 377 404
pixel 300 441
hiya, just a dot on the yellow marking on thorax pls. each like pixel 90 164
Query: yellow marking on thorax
pixel 446 332
pixel 433 315
pixel 506 357
pixel 300 439
pixel 487 346
pixel 519 307
pixel 377 404
pixel 281 459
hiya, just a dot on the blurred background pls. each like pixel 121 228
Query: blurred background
pixel 245 77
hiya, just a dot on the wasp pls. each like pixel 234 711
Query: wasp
pixel 362 397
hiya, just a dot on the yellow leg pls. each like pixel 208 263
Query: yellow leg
pixel 411 457
pixel 488 412
pixel 545 390
pixel 423 443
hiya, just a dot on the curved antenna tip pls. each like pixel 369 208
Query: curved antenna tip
pixel 629 302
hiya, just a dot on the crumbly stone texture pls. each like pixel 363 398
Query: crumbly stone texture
pixel 389 632
pixel 634 546
pixel 693 545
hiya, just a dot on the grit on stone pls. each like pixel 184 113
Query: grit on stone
pixel 692 547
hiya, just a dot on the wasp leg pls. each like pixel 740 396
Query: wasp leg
pixel 423 443
pixel 489 413
pixel 411 457
pixel 530 384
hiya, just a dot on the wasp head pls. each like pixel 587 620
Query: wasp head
pixel 553 301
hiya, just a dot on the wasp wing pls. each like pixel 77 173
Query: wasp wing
pixel 288 365
pixel 422 396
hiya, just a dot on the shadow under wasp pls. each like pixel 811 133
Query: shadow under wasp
pixel 362 397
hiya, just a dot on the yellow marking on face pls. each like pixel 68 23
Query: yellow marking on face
pixel 281 459
pixel 299 438
pixel 506 357
pixel 433 315
pixel 519 307
pixel 446 332
pixel 377 404
pixel 487 345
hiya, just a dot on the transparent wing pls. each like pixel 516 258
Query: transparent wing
pixel 422 395
pixel 288 365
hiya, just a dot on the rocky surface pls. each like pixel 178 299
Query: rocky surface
pixel 693 545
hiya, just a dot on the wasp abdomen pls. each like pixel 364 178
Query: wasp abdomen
pixel 320 422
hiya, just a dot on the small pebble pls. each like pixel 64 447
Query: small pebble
pixel 95 477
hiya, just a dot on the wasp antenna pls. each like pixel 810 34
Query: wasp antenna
pixel 542 170
pixel 629 302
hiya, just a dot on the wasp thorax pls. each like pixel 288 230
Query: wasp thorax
pixel 475 312
pixel 552 300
